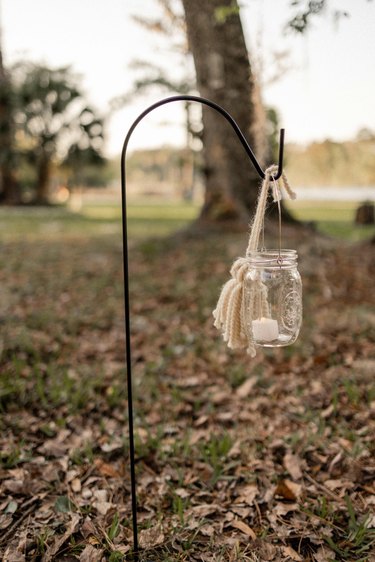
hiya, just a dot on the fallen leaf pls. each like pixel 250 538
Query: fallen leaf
pixel 106 469
pixel 59 540
pixel 219 397
pixel 14 486
pixel 267 551
pixel 337 484
pixel 204 510
pixel 88 528
pixel 70 475
pixel 235 450
pixel 5 521
pixel 149 538
pixel 53 448
pixel 207 530
pixel 244 390
pixel 248 494
pixel 243 512
pixel 101 495
pixel 328 411
pixel 289 551
pixel 86 493
pixel 196 436
pixel 76 485
pixel 241 526
pixel 324 554
pixel 293 465
pixel 103 507
pixel 337 458
pixel 182 493
pixel 12 555
pixel 50 472
pixel 282 509
pixel 91 554
pixel 288 490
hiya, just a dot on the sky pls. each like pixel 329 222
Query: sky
pixel 328 90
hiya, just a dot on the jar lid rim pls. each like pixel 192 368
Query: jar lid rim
pixel 273 258
pixel 273 252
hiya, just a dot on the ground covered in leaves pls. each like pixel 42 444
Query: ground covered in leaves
pixel 264 460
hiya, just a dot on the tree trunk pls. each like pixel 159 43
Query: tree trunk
pixel 9 192
pixel 43 180
pixel 9 189
pixel 224 76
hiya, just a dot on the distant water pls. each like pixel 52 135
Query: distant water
pixel 336 193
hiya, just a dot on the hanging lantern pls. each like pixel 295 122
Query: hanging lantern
pixel 261 305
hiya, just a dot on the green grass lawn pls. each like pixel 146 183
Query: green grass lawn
pixel 54 222
pixel 159 219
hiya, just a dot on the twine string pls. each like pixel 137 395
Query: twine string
pixel 277 198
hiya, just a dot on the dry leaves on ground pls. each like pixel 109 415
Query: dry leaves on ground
pixel 237 459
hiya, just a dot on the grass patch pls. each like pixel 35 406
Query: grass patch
pixel 334 218
pixel 93 220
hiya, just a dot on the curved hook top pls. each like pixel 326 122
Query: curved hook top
pixel 229 118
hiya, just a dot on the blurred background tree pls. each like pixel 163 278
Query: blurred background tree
pixel 45 123
pixel 48 129
pixel 227 74
pixel 54 122
pixel 306 10
pixel 212 36
pixel 8 185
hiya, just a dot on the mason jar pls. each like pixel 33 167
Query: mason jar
pixel 273 298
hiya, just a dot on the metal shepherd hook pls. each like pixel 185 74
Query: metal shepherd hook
pixel 261 173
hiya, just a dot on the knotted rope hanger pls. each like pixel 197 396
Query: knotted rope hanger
pixel 234 313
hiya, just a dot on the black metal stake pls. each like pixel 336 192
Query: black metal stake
pixel 258 168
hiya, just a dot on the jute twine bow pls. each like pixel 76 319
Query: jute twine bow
pixel 234 313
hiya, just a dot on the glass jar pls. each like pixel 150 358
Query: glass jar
pixel 273 298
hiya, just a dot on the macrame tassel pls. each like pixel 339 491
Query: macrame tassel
pixel 228 315
pixel 237 304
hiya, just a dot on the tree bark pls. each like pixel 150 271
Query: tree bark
pixel 224 76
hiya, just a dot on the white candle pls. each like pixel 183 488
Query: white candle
pixel 265 329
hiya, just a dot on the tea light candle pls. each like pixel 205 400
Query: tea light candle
pixel 265 329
